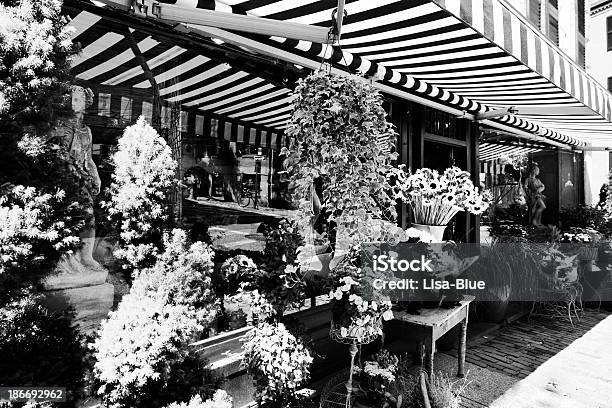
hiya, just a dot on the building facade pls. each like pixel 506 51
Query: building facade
pixel 563 22
pixel 599 49
pixel 599 65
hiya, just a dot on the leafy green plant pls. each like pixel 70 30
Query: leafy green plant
pixel 40 348
pixel 340 137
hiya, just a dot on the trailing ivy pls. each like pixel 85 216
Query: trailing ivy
pixel 340 137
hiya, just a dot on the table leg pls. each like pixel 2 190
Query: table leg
pixel 431 351
pixel 462 347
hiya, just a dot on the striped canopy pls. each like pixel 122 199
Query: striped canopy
pixel 470 55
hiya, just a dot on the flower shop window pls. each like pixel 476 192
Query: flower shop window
pixel 438 123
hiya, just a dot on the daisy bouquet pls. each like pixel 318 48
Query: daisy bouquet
pixel 436 198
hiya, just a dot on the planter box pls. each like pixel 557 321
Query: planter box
pixel 223 352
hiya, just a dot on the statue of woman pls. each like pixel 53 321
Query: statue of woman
pixel 75 137
pixel 534 188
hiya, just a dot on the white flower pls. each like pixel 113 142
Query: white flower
pixel 388 315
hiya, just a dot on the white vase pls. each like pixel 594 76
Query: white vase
pixel 436 231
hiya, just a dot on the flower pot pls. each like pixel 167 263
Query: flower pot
pixel 588 254
pixel 436 231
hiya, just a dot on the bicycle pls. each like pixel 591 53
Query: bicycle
pixel 248 192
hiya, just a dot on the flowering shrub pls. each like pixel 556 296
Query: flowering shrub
pixel 219 400
pixel 35 50
pixel 141 345
pixel 34 230
pixel 436 198
pixel 577 236
pixel 278 362
pixel 339 135
pixel 143 348
pixel 144 174
pixel 181 276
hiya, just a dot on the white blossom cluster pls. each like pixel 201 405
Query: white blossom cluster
pixel 149 334
pixel 374 370
pixel 29 31
pixel 219 400
pixel 435 198
pixel 364 317
pixel 278 361
pixel 25 220
pixel 144 173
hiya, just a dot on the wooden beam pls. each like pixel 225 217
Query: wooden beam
pixel 142 61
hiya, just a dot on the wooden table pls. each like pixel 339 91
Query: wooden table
pixel 434 323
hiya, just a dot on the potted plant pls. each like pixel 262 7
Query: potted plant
pixel 340 156
pixel 357 309
pixel 445 393
pixel 279 363
pixel 375 380
pixel 436 198
pixel 584 240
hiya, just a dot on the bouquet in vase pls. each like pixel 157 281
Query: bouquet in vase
pixel 436 198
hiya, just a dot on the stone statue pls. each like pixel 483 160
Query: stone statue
pixel 76 138
pixel 79 280
pixel 534 188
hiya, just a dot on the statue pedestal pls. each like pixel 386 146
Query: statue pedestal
pixel 85 289
pixel 91 304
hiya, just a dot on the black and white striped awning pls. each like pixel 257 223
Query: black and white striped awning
pixel 232 104
pixel 471 55
pixel 492 151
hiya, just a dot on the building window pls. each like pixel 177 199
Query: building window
pixel 553 29
pixel 534 12
pixel 126 109
pixel 104 104
pixel 581 55
pixel 609 30
pixel 147 111
pixel 610 84
pixel 581 16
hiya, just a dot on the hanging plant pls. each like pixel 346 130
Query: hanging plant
pixel 341 141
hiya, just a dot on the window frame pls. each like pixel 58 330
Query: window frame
pixel 609 32
pixel 552 18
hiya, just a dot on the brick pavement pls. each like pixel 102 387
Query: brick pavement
pixel 520 347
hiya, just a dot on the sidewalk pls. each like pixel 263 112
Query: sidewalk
pixel 497 362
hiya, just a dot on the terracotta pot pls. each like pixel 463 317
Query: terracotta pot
pixel 436 231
